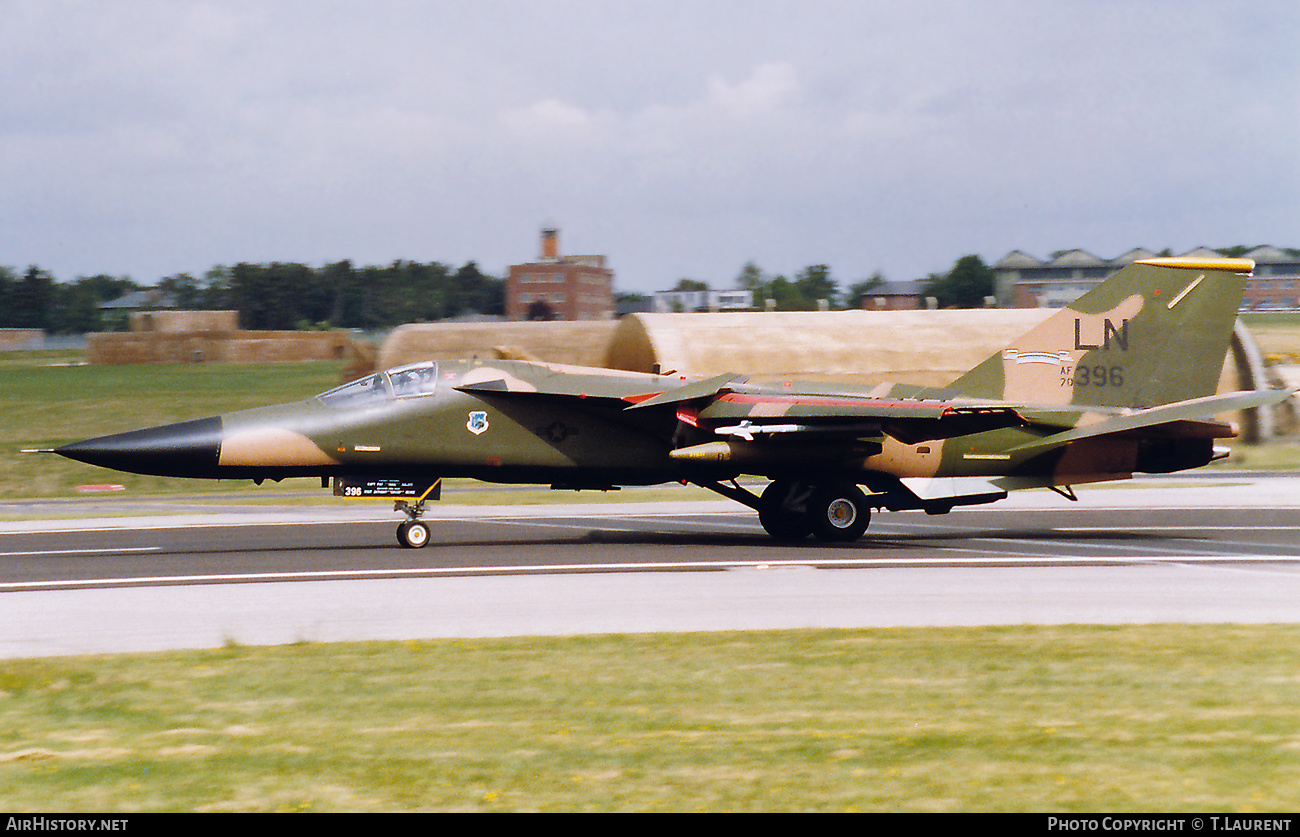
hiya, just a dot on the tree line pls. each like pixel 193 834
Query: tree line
pixel 276 296
pixel 805 291
pixel 964 286
pixel 286 296
pixel 967 284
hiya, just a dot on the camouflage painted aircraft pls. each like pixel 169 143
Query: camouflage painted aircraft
pixel 1122 381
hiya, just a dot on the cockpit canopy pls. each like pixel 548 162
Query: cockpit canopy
pixel 409 381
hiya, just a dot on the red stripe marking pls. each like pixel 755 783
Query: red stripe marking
pixel 825 400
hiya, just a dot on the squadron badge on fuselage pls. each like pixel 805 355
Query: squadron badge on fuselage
pixel 478 422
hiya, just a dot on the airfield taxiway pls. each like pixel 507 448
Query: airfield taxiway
pixel 1215 548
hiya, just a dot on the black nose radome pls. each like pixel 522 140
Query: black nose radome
pixel 185 449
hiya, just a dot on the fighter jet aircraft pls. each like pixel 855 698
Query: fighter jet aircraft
pixel 1122 381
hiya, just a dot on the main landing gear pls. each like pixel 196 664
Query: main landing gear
pixel 791 510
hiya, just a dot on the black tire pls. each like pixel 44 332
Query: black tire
pixel 782 512
pixel 413 534
pixel 839 513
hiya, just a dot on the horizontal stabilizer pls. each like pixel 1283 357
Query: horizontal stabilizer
pixel 1181 411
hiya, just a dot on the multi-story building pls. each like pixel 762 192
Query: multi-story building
pixel 559 287
pixel 1276 280
pixel 1026 282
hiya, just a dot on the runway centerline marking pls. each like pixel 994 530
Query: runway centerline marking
pixel 107 551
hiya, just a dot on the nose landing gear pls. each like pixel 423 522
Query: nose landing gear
pixel 414 533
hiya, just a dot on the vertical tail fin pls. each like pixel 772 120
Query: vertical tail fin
pixel 1153 333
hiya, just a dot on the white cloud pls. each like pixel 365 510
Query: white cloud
pixel 764 92
pixel 680 138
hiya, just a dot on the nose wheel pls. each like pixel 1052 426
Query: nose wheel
pixel 413 534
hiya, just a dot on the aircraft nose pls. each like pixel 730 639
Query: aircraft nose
pixel 185 449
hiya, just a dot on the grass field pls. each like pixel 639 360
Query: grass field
pixel 45 402
pixel 1075 718
pixel 1277 333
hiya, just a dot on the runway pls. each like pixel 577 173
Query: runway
pixel 1212 549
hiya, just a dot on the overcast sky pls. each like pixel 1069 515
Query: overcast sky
pixel 680 139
